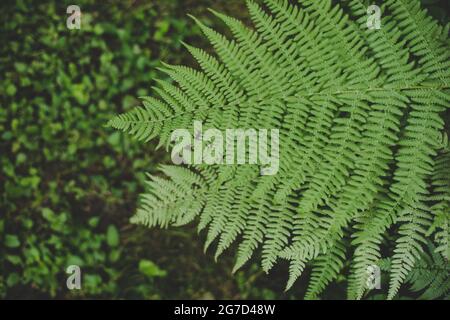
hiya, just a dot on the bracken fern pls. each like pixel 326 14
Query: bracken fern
pixel 364 154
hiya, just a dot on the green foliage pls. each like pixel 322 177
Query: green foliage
pixel 112 236
pixel 363 120
pixel 150 269
pixel 64 180
pixel 431 276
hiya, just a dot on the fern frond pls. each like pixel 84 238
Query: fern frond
pixel 361 115
pixel 325 269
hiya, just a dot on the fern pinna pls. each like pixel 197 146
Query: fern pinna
pixel 364 154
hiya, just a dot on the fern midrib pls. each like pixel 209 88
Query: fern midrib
pixel 397 89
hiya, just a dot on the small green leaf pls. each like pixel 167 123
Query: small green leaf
pixel 114 255
pixel 48 214
pixel 75 260
pixel 12 241
pixel 112 236
pixel 93 222
pixel 15 260
pixel 12 280
pixel 114 138
pixel 150 269
pixel 11 90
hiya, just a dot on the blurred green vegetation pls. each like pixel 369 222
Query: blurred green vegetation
pixel 68 185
